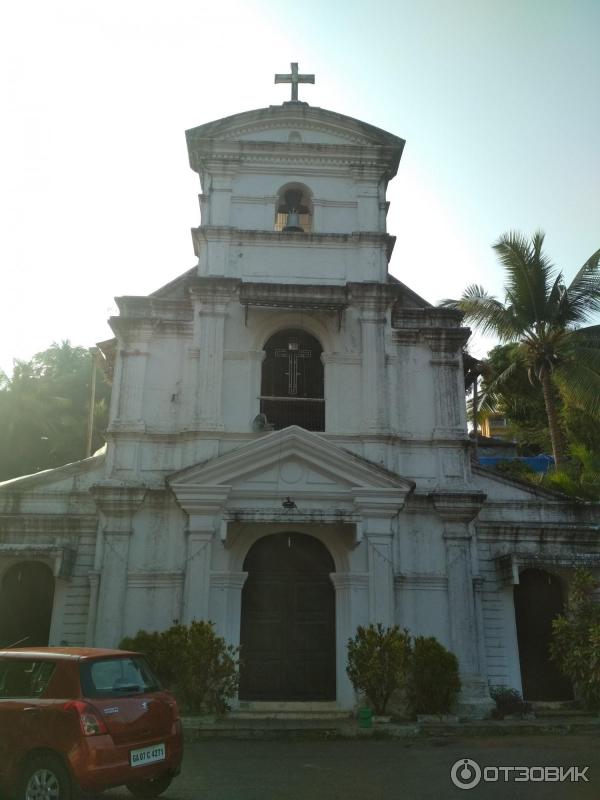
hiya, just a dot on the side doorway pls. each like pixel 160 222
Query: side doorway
pixel 26 600
pixel 538 600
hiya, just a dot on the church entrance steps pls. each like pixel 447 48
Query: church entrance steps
pixel 546 709
pixel 232 726
pixel 289 710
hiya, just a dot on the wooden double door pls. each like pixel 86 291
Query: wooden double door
pixel 288 620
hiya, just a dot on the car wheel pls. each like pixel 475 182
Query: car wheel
pixel 151 787
pixel 44 778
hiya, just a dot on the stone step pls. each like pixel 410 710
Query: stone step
pixel 289 711
pixel 564 709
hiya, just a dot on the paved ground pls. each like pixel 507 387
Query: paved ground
pixel 374 770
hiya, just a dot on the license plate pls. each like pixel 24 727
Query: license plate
pixel 147 755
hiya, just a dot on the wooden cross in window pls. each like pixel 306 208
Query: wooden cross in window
pixel 294 79
pixel 292 353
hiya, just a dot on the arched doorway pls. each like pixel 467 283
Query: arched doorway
pixel 288 620
pixel 538 600
pixel 26 598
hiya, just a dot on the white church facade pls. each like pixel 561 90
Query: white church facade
pixel 287 452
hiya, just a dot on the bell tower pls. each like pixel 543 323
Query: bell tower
pixel 293 194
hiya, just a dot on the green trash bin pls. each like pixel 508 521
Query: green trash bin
pixel 365 718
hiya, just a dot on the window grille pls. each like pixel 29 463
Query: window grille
pixel 292 386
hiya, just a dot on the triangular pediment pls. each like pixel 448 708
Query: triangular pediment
pixel 292 460
pixel 276 123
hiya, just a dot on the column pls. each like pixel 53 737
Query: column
pixel 351 610
pixel 457 510
pixel 117 506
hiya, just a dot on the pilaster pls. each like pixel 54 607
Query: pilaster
pixel 225 604
pixel 204 506
pixel 445 345
pixel 378 508
pixel 210 298
pixel 351 604
pixel 117 506
pixel 458 510
pixel 373 301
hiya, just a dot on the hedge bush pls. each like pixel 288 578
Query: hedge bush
pixel 508 702
pixel 192 661
pixel 435 682
pixel 379 663
pixel 384 660
pixel 575 645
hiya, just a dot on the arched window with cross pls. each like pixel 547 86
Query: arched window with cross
pixel 292 385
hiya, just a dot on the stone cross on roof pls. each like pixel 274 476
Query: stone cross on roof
pixel 294 78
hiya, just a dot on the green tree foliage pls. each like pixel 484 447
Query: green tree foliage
pixel 506 388
pixel 192 661
pixel 44 410
pixel 379 663
pixel 434 681
pixel 546 321
pixel 580 476
pixel 508 702
pixel 575 645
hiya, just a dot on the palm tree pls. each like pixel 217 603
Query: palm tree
pixel 546 320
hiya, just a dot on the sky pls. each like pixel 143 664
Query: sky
pixel 498 101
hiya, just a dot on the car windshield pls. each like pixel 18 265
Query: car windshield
pixel 117 676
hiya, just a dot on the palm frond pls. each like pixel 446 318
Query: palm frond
pixel 579 383
pixel 583 293
pixel 486 312
pixel 530 275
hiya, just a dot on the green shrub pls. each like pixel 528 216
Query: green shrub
pixel 379 663
pixel 192 661
pixel 434 683
pixel 575 645
pixel 508 701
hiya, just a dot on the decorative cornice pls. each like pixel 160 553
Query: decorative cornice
pixel 372 297
pixel 115 502
pixel 60 557
pixel 458 506
pixel 149 579
pixel 510 565
pixel 428 581
pixel 350 580
pixel 268 238
pixel 228 580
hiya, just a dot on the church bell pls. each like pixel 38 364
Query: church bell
pixel 292 201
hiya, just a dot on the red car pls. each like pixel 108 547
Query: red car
pixel 82 718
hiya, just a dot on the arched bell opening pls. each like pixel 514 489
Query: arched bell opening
pixel 294 211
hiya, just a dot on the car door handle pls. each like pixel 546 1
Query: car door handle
pixel 31 710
